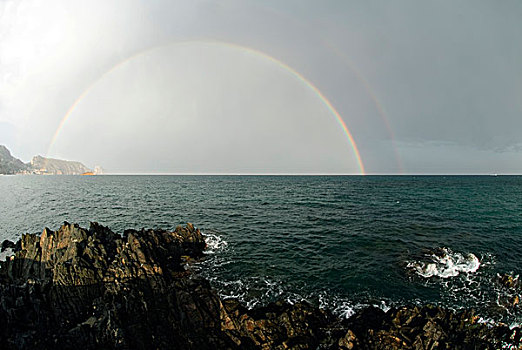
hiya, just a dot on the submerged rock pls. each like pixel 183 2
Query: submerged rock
pixel 508 281
pixel 92 289
pixel 510 292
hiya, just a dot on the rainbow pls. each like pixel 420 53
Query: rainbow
pixel 378 106
pixel 279 63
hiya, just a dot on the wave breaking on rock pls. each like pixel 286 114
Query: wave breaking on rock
pixel 445 263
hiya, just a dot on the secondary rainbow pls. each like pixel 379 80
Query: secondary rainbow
pixel 283 65
pixel 378 106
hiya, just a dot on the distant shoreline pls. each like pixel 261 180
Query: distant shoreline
pixel 283 174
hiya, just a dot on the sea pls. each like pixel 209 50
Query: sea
pixel 339 242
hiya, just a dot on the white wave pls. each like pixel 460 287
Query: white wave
pixel 383 306
pixel 214 243
pixel 445 264
pixel 345 309
pixel 6 253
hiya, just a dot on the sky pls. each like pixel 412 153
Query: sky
pixel 284 87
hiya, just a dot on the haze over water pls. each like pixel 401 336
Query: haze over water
pixel 339 241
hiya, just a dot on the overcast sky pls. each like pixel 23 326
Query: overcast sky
pixel 245 86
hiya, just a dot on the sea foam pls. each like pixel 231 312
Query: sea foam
pixel 8 252
pixel 445 263
pixel 215 243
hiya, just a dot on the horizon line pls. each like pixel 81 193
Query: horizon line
pixel 310 174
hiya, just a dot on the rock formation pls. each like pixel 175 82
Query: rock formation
pixel 94 289
pixel 8 164
pixel 39 165
pixel 50 166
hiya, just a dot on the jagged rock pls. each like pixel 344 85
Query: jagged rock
pixel 427 327
pixel 279 326
pixel 509 298
pixel 508 281
pixel 95 289
pixel 349 341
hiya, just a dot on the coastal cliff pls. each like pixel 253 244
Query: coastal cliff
pixel 39 165
pixel 50 166
pixel 10 165
pixel 93 288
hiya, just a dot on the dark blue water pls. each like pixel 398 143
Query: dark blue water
pixel 338 241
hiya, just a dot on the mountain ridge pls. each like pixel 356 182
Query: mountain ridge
pixel 9 165
pixel 39 165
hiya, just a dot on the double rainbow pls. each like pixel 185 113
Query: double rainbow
pixel 283 65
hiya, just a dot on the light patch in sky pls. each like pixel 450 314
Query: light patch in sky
pixel 8 135
pixel 204 108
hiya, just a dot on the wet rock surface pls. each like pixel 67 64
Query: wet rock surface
pixel 510 293
pixel 427 327
pixel 95 289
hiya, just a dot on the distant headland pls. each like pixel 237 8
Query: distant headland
pixel 39 165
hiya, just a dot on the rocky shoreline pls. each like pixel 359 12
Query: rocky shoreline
pixel 39 165
pixel 95 289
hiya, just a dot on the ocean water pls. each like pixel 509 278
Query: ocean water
pixel 340 242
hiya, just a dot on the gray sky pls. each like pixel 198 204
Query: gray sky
pixel 235 86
